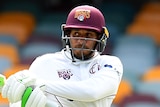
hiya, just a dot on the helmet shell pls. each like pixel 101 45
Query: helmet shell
pixel 85 17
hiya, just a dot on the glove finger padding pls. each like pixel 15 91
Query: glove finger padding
pixel 25 77
pixel 5 89
pixel 13 90
pixel 36 99
pixel 18 92
pixel 16 85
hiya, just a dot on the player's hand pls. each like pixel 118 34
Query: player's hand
pixel 36 98
pixel 16 84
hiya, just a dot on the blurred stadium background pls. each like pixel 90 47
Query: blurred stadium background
pixel 29 28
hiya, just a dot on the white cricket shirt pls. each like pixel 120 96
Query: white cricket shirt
pixel 90 83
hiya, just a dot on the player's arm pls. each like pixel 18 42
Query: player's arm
pixel 104 83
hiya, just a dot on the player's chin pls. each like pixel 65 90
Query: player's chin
pixel 80 53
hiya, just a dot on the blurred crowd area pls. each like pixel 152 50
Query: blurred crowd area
pixel 30 28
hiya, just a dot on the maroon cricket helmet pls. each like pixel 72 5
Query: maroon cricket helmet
pixel 85 17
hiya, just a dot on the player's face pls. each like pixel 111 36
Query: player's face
pixel 80 45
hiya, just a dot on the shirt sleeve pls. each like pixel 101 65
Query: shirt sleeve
pixel 103 84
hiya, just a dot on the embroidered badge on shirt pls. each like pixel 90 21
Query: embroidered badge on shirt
pixel 82 14
pixel 95 67
pixel 65 74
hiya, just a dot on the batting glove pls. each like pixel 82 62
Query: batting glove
pixel 16 84
pixel 36 99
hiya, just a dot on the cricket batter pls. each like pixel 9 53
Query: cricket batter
pixel 77 76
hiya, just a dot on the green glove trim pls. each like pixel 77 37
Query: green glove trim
pixel 2 81
pixel 26 95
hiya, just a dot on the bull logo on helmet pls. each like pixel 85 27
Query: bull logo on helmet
pixel 82 14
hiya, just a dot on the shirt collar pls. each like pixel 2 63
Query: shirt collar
pixel 67 54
